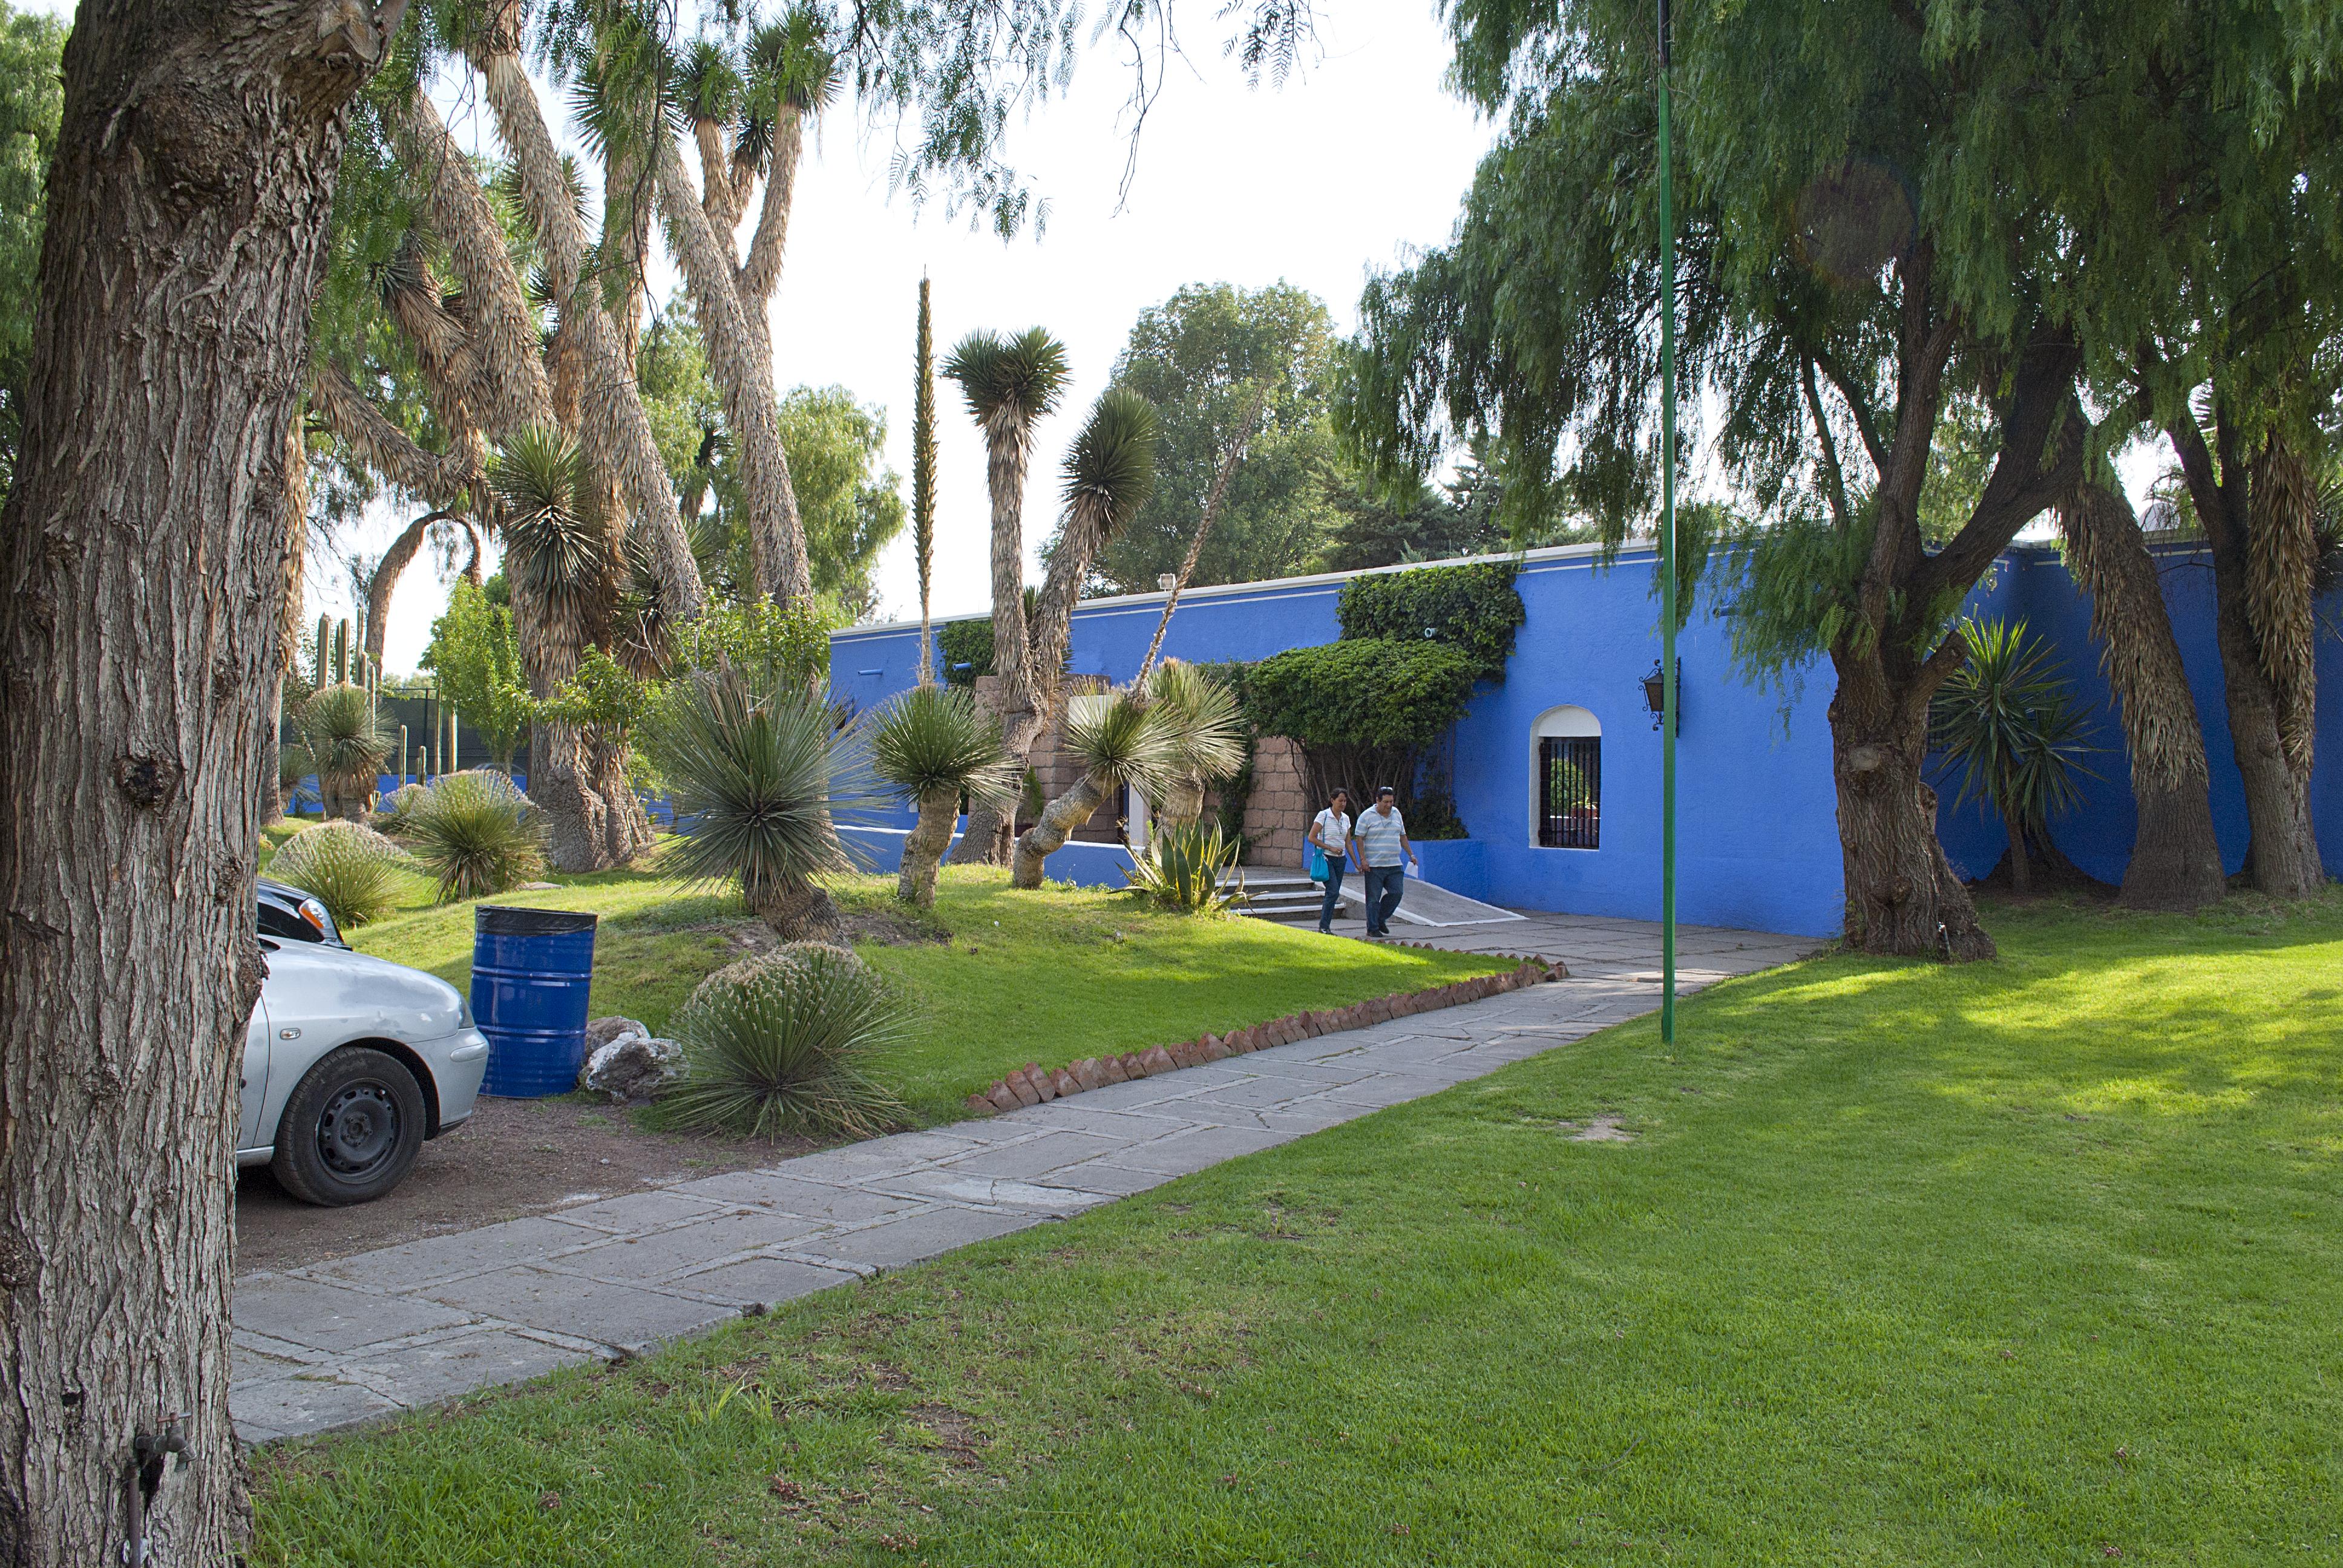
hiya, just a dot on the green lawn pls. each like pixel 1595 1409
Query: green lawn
pixel 2034 1262
pixel 1048 976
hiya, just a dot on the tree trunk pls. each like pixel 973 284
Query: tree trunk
pixel 1184 802
pixel 144 542
pixel 384 580
pixel 798 909
pixel 2282 857
pixel 2021 874
pixel 979 843
pixel 776 534
pixel 1902 896
pixel 924 846
pixel 561 775
pixel 288 617
pixel 2176 858
pixel 627 830
pixel 1059 821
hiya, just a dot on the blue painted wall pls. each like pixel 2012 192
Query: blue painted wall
pixel 1758 840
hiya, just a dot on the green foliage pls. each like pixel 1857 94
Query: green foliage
pixel 1200 712
pixel 474 832
pixel 788 1043
pixel 757 771
pixel 847 496
pixel 398 812
pixel 1185 867
pixel 604 696
pixel 1202 356
pixel 32 100
pixel 1474 609
pixel 347 866
pixel 938 738
pixel 344 736
pixel 1377 692
pixel 966 648
pixel 764 643
pixel 1010 382
pixel 2007 720
pixel 1110 472
pixel 474 656
pixel 1120 739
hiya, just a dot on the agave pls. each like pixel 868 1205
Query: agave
pixel 477 833
pixel 1185 869
pixel 786 1042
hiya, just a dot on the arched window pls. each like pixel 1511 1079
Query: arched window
pixel 1567 787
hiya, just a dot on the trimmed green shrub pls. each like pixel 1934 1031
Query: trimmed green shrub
pixel 347 866
pixel 786 1042
pixel 476 833
pixel 1381 693
pixel 1475 608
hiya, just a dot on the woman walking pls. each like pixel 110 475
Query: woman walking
pixel 1329 836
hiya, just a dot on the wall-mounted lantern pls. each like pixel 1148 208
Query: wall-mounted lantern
pixel 1655 694
pixel 1166 581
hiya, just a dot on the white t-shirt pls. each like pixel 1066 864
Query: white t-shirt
pixel 1334 831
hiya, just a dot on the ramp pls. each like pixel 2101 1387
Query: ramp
pixel 1428 904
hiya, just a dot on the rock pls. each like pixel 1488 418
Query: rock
pixel 633 1066
pixel 601 1031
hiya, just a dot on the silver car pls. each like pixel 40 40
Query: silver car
pixel 351 1062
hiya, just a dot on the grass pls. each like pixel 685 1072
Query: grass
pixel 1045 977
pixel 2033 1262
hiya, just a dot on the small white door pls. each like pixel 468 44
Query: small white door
pixel 255 1078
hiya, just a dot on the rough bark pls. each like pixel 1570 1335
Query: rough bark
pixel 1902 895
pixel 383 582
pixel 985 841
pixel 924 846
pixel 2176 858
pixel 1009 451
pixel 2282 858
pixel 288 616
pixel 1048 836
pixel 145 543
pixel 776 534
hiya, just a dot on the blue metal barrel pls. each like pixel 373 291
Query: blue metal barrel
pixel 532 972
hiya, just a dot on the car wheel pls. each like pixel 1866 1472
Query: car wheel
pixel 351 1129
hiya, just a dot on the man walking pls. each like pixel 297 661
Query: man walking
pixel 1380 838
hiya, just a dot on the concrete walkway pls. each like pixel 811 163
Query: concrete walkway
pixel 407 1326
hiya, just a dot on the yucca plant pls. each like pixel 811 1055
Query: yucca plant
pixel 1207 733
pixel 476 834
pixel 1119 738
pixel 293 765
pixel 347 745
pixel 786 1042
pixel 399 810
pixel 2007 720
pixel 346 866
pixel 758 773
pixel 1184 867
pixel 929 747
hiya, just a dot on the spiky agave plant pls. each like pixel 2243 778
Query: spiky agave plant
pixel 348 744
pixel 1119 738
pixel 2007 720
pixel 476 833
pixel 760 774
pixel 930 745
pixel 1208 735
pixel 1185 868
pixel 786 1042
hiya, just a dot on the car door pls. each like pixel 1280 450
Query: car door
pixel 255 1090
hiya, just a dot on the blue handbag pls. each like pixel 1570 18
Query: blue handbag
pixel 1315 864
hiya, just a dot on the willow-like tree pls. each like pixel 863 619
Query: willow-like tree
pixel 145 537
pixel 1843 274
pixel 1010 385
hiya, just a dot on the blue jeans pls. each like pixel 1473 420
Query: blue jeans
pixel 1384 884
pixel 1334 870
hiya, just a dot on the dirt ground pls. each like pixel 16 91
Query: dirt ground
pixel 514 1157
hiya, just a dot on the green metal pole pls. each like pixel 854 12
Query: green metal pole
pixel 1667 561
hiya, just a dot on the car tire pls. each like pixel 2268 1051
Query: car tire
pixel 351 1129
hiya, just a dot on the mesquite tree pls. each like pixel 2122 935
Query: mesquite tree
pixel 144 540
pixel 1842 275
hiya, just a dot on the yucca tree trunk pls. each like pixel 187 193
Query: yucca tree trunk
pixel 1007 456
pixel 2176 858
pixel 744 376
pixel 2269 732
pixel 143 547
pixel 924 846
pixel 1059 819
pixel 288 615
pixel 1184 802
pixel 384 580
pixel 612 419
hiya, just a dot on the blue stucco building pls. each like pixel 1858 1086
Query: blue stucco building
pixel 1758 841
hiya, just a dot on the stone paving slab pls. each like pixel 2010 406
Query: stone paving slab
pixel 360 1338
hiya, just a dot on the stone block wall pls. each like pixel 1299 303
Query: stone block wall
pixel 1278 812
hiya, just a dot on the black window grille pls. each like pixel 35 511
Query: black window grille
pixel 1570 812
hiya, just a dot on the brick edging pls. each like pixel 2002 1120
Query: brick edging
pixel 1031 1084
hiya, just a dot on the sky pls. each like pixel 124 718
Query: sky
pixel 1358 156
